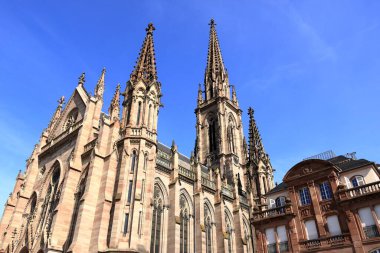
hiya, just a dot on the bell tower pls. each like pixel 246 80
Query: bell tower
pixel 136 148
pixel 219 141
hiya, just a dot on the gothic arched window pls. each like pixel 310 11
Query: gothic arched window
pixel 149 114
pixel 208 222
pixel 228 231
pixel 138 113
pixel 184 229
pixel 71 118
pixel 157 220
pixel 212 135
pixel 247 236
pixel 77 196
pixel 133 160
pixel 231 135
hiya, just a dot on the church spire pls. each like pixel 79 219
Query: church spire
pixel 99 89
pixel 145 68
pixel 256 148
pixel 114 109
pixel 215 70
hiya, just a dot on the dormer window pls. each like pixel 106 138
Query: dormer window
pixel 357 181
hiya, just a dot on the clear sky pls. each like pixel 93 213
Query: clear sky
pixel 310 69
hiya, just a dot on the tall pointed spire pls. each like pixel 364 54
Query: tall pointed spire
pixel 256 148
pixel 114 109
pixel 215 70
pixel 99 89
pixel 145 68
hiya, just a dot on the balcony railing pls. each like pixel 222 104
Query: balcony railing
pixel 324 243
pixel 227 191
pixel 273 212
pixel 186 173
pixel 371 231
pixel 208 183
pixel 359 191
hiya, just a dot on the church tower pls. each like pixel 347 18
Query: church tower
pixel 129 229
pixel 219 141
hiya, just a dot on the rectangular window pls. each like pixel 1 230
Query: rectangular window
pixel 125 231
pixel 305 196
pixel 325 189
pixel 333 225
pixel 130 191
pixel 282 239
pixel 368 223
pixel 271 240
pixel 311 230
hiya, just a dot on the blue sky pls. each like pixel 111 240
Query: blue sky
pixel 310 69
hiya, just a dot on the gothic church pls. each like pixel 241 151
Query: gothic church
pixel 101 182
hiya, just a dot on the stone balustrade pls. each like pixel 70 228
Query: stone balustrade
pixel 359 191
pixel 322 244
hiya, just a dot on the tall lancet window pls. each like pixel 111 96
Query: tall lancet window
pixel 149 115
pixel 231 135
pixel 157 220
pixel 247 235
pixel 212 135
pixel 133 160
pixel 208 223
pixel 78 196
pixel 228 231
pixel 184 230
pixel 138 113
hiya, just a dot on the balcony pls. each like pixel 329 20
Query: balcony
pixel 359 191
pixel 323 244
pixel 273 213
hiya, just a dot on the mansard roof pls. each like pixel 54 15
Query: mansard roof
pixel 341 162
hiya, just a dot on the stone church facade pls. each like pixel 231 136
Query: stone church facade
pixel 101 182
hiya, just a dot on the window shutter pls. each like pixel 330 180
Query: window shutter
pixel 333 225
pixel 311 230
pixel 269 232
pixel 366 217
pixel 281 233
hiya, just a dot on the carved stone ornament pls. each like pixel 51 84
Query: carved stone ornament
pixel 307 170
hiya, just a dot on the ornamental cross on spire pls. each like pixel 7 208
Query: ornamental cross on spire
pixel 145 68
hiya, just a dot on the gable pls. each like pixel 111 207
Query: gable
pixel 74 110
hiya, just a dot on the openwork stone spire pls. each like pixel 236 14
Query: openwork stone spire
pixel 215 70
pixel 99 89
pixel 114 109
pixel 145 68
pixel 256 148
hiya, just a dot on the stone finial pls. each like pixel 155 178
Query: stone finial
pixel 82 79
pixel 174 147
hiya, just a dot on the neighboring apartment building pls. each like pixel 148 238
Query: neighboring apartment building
pixel 99 182
pixel 322 205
